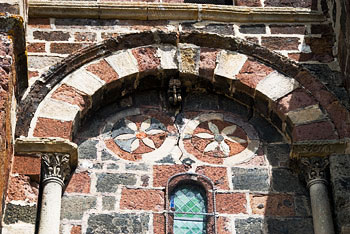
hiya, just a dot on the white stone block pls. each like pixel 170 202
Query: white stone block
pixel 84 81
pixel 124 63
pixel 276 85
pixel 229 64
pixel 167 55
pixel 55 109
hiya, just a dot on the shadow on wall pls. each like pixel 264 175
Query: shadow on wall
pixel 119 185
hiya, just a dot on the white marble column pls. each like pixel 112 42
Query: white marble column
pixel 315 175
pixel 55 170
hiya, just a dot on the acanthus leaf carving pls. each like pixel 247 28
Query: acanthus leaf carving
pixel 55 165
pixel 315 170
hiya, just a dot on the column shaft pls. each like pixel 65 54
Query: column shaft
pixel 321 211
pixel 50 208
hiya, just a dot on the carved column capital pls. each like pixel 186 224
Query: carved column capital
pixel 55 167
pixel 315 170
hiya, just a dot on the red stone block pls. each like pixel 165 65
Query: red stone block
pixel 71 95
pixel 223 225
pixel 39 23
pixel 280 43
pixel 36 47
pixel 51 36
pixel 65 48
pixel 79 183
pixel 158 223
pixel 309 81
pixel 314 131
pixel 297 99
pixel 249 3
pixel 340 117
pixel 253 72
pixel 32 74
pixel 301 57
pixel 85 36
pixel 231 203
pixel 103 70
pixel 146 58
pixel 272 205
pixel 26 165
pixel 207 62
pixel 217 174
pixel 21 188
pixel 142 199
pixel 75 230
pixel 162 173
pixel 287 29
pixel 53 128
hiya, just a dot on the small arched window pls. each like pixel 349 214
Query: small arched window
pixel 190 204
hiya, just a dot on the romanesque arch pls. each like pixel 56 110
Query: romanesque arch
pixel 287 95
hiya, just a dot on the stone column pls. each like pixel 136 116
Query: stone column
pixel 55 170
pixel 315 176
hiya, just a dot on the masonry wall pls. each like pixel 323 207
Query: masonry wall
pixel 6 95
pixel 116 190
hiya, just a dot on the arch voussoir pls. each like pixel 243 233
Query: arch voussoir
pixel 284 92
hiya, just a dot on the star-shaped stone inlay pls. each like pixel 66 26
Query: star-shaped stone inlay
pixel 135 136
pixel 219 138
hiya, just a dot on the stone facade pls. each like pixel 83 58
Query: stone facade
pixel 231 98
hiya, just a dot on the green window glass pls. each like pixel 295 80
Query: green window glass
pixel 188 202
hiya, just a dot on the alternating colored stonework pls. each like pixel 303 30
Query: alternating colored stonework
pixel 129 150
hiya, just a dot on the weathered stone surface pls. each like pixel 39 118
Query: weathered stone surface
pixel 22 188
pixel 266 132
pixel 36 47
pixel 201 102
pixel 79 183
pixel 217 174
pixel 54 109
pixel 85 36
pixel 84 81
pixel 291 3
pixel 189 57
pixel 272 205
pixel 253 29
pixel 136 167
pixel 302 206
pixel 65 48
pixel 51 36
pixel 103 70
pixel 292 225
pixel 207 62
pixel 108 203
pixel 238 206
pixel 314 131
pixel 276 85
pixel 53 128
pixel 249 226
pixel 287 29
pixel 161 173
pixel 18 213
pixel 87 149
pixel 308 114
pixel 296 99
pixel 146 58
pixel 167 55
pixel 20 165
pixel 278 155
pixel 280 43
pixel 142 199
pixel 108 182
pixel 283 180
pixel 73 207
pixel 249 3
pixel 123 63
pixel 118 223
pixel 73 96
pixel 253 179
pixel 229 64
pixel 39 62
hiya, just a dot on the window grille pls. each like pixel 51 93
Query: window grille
pixel 190 205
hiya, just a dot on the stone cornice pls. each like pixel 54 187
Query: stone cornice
pixel 171 11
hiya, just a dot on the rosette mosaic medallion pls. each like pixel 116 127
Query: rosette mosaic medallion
pixel 141 136
pixel 215 138
pixel 219 138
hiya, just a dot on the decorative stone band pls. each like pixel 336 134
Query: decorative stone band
pixel 170 11
pixel 55 167
pixel 315 170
